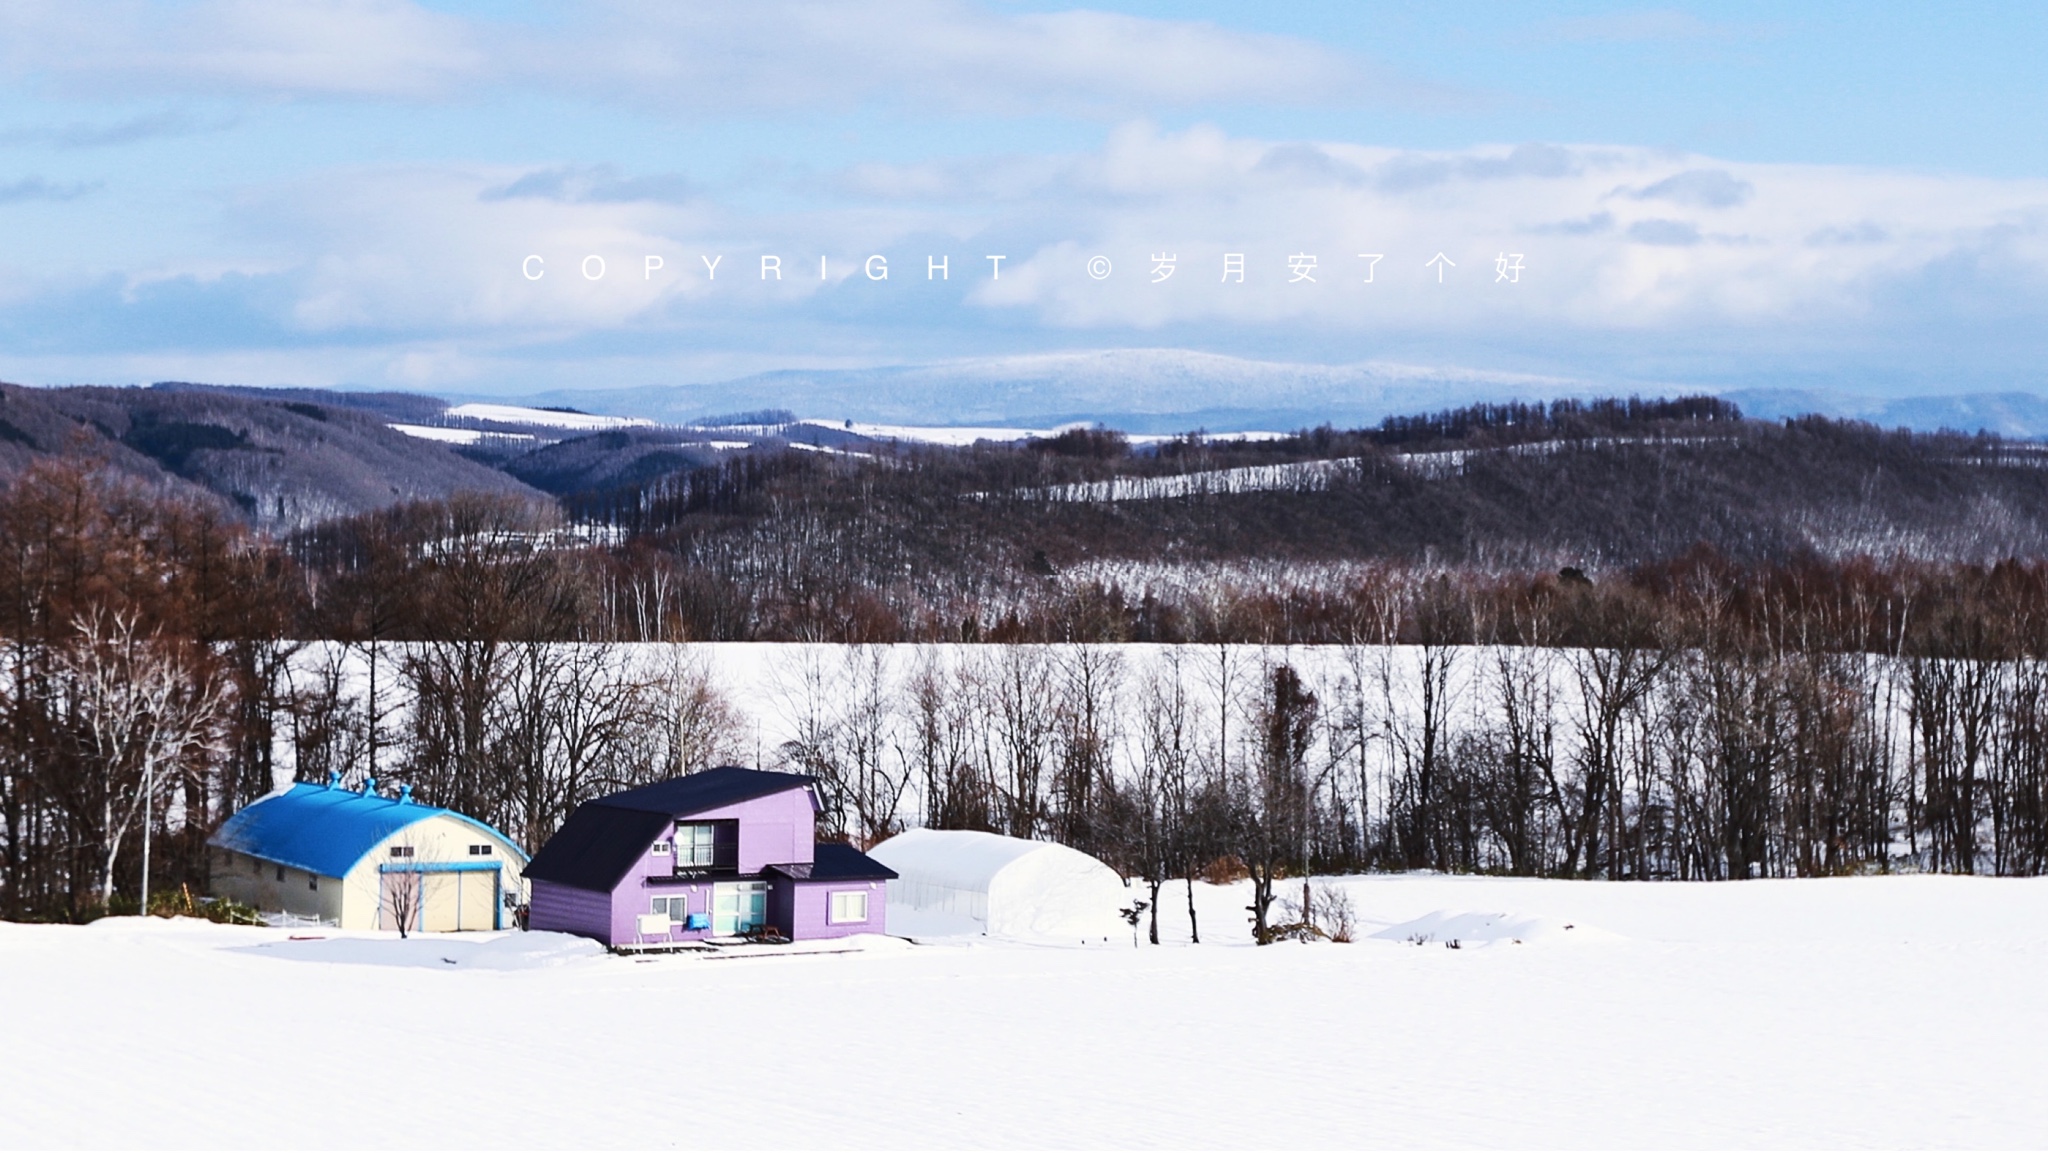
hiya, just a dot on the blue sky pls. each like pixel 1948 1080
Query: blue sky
pixel 1846 195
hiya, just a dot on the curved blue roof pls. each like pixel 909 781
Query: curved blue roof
pixel 326 829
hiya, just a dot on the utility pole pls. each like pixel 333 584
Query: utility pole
pixel 1307 915
pixel 148 787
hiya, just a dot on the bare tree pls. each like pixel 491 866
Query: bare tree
pixel 866 737
pixel 1087 733
pixel 809 692
pixel 1020 685
pixel 566 716
pixel 1168 721
pixel 402 888
pixel 940 741
pixel 1272 807
pixel 141 710
pixel 703 729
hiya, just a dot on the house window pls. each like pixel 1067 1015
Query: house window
pixel 401 850
pixel 693 846
pixel 280 872
pixel 312 882
pixel 661 848
pixel 848 907
pixel 674 908
pixel 479 850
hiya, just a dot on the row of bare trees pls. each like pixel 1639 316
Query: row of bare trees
pixel 516 733
pixel 1634 762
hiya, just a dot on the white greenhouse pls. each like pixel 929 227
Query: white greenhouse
pixel 956 882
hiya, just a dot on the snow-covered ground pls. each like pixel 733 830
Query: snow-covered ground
pixel 961 436
pixel 936 434
pixel 456 435
pixel 1888 1011
pixel 545 417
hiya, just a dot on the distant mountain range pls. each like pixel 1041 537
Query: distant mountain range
pixel 1136 390
pixel 1170 390
pixel 2010 414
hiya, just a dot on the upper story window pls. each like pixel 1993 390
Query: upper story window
pixel 694 846
pixel 401 850
pixel 479 850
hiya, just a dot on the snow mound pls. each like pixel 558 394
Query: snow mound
pixel 952 882
pixel 508 951
pixel 1475 929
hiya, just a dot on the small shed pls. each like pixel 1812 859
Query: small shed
pixel 953 881
pixel 359 860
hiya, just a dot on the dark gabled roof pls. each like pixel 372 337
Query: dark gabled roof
pixel 833 861
pixel 710 789
pixel 597 846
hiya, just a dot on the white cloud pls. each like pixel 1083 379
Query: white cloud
pixel 943 56
pixel 687 60
pixel 1748 245
pixel 1699 188
pixel 354 48
pixel 1702 242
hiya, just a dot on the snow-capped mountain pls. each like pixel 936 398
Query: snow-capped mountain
pixel 1138 390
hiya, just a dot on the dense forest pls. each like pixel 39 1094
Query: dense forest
pixel 1636 640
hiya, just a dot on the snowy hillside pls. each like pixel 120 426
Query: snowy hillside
pixel 1894 1011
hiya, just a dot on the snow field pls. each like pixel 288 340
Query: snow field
pixel 455 435
pixel 1879 1011
pixel 545 418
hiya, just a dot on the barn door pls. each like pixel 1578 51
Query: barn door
pixel 479 897
pixel 441 902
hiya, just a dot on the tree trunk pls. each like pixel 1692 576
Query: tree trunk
pixel 1262 902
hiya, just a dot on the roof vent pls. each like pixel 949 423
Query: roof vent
pixel 333 777
pixel 404 794
pixel 369 786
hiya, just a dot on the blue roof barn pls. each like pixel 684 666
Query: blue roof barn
pixel 359 860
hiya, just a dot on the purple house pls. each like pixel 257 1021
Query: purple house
pixel 714 854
